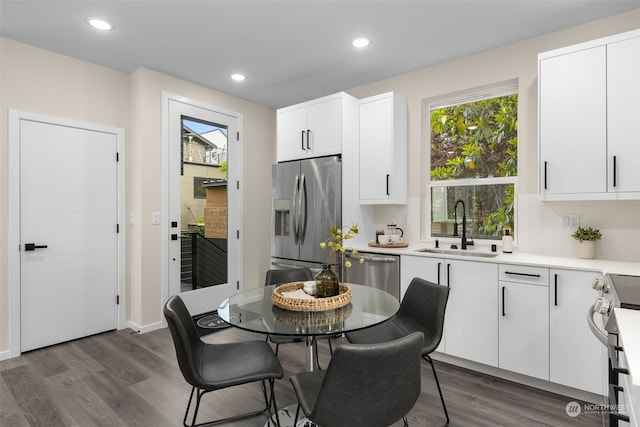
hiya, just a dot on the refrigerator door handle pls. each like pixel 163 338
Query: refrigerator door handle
pixel 294 210
pixel 302 209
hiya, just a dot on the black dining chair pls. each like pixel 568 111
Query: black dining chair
pixel 422 309
pixel 278 277
pixel 365 385
pixel 210 367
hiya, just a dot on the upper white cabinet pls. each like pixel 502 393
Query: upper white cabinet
pixel 314 128
pixel 589 138
pixel 383 149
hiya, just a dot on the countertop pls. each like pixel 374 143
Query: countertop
pixel 600 265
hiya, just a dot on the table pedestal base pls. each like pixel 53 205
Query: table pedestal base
pixel 287 417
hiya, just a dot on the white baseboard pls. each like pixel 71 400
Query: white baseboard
pixel 4 355
pixel 143 329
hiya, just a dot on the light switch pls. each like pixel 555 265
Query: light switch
pixel 155 218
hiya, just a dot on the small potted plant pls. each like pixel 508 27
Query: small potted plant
pixel 587 238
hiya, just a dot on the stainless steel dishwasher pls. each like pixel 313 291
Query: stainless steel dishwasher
pixel 378 271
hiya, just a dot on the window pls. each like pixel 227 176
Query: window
pixel 473 157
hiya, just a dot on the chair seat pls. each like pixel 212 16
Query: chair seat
pixel 384 332
pixel 219 365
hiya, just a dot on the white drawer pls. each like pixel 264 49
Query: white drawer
pixel 523 274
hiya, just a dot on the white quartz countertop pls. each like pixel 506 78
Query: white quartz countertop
pixel 600 265
pixel 629 332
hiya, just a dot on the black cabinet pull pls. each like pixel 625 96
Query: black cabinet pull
pixel 448 275
pixel 33 246
pixel 555 289
pixel 302 139
pixel 514 273
pixel 614 171
pixel 504 312
pixel 308 135
pixel 387 184
pixel 545 174
pixel 439 265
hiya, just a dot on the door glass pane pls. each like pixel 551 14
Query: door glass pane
pixel 203 199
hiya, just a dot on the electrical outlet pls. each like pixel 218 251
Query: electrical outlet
pixel 570 220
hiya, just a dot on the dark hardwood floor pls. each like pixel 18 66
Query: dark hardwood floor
pixel 124 379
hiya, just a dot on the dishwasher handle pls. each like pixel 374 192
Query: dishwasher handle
pixel 372 258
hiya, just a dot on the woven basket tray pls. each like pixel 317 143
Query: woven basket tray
pixel 315 304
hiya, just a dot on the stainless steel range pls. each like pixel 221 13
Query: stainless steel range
pixel 616 291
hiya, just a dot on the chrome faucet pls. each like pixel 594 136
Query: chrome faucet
pixel 463 246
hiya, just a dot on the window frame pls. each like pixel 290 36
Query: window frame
pixel 505 88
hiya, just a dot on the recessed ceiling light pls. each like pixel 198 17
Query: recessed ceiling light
pixel 99 23
pixel 238 77
pixel 361 42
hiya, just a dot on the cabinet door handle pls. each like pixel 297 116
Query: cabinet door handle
pixel 545 174
pixel 614 170
pixel 439 265
pixel 555 289
pixel 504 312
pixel 514 273
pixel 387 184
pixel 308 136
pixel 302 139
pixel 448 275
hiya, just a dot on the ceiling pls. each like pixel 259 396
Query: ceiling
pixel 293 50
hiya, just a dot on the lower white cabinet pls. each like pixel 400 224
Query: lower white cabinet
pixel 577 358
pixel 525 319
pixel 471 319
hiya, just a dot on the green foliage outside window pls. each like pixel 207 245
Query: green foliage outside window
pixel 476 141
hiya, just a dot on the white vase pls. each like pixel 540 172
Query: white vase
pixel 587 249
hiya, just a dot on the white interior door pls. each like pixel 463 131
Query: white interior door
pixel 69 212
pixel 208 298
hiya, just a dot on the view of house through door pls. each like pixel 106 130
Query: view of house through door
pixel 203 198
pixel 203 245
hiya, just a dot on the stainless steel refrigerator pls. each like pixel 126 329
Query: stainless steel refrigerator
pixel 306 201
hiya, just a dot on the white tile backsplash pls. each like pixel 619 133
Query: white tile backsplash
pixel 540 229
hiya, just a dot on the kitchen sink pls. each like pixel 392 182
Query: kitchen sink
pixel 458 252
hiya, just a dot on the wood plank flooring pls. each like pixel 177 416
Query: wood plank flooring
pixel 121 378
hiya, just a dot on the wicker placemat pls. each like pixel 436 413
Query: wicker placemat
pixel 310 304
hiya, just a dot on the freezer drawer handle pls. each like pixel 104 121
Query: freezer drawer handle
pixel 33 246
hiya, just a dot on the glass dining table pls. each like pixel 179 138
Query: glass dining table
pixel 253 310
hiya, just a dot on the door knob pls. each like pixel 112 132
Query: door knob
pixel 33 246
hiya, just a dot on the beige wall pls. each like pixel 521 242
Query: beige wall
pixel 38 81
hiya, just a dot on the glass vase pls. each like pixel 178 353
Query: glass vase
pixel 327 282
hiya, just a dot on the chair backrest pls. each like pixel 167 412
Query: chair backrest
pixel 422 309
pixel 277 277
pixel 370 384
pixel 188 344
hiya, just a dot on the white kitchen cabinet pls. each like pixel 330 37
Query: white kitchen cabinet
pixel 576 356
pixel 314 128
pixel 471 317
pixel 383 149
pixel 425 268
pixel 588 95
pixel 524 320
pixel 623 102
